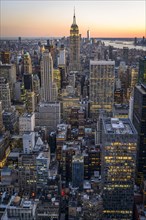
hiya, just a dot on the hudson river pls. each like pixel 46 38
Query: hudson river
pixel 121 44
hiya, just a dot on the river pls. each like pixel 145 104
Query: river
pixel 121 44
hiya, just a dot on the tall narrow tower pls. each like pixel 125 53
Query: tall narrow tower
pixel 46 77
pixel 27 63
pixel 74 46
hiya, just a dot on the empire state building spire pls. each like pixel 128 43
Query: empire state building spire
pixel 74 17
pixel 74 46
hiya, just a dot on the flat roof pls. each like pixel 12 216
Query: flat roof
pixel 14 154
pixel 28 115
pixel 118 126
pixel 42 155
pixel 102 62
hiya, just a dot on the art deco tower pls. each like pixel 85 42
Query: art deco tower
pixel 46 77
pixel 74 46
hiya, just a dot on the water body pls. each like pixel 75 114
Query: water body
pixel 121 44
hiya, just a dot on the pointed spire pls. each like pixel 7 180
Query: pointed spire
pixel 74 17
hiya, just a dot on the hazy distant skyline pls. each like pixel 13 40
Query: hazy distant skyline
pixel 46 18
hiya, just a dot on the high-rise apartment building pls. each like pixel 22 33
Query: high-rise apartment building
pixel 42 164
pixel 5 57
pixel 101 86
pixel 8 72
pixel 27 173
pixel 1 119
pixel 88 35
pixel 125 54
pixel 46 77
pixel 118 162
pixel 48 115
pixel 10 120
pixel 74 46
pixel 77 171
pixel 139 121
pixel 142 71
pixel 133 76
pixel 28 81
pixel 26 122
pixel 30 101
pixel 27 63
pixel 57 78
pixel 36 88
pixel 61 57
pixel 5 94
pixel 28 142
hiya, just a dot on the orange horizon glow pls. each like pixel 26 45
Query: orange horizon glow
pixel 115 33
pixel 109 19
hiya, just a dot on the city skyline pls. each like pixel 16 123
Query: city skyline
pixel 53 18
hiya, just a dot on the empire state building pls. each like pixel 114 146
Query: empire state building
pixel 74 46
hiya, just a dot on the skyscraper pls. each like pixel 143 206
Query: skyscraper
pixel 142 71
pixel 139 121
pixel 61 57
pixel 88 34
pixel 46 77
pixel 1 119
pixel 74 46
pixel 101 86
pixel 27 63
pixel 42 164
pixel 118 164
pixel 5 94
pixel 78 171
pixel 27 173
pixel 5 57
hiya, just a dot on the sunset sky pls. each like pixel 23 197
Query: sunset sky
pixel 46 18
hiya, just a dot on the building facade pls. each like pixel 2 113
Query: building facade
pixel 27 175
pixel 48 115
pixel 139 121
pixel 28 142
pixel 74 46
pixel 118 163
pixel 5 96
pixel 101 86
pixel 26 122
pixel 142 71
pixel 77 171
pixel 46 76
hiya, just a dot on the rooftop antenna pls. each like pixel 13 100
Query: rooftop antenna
pixel 74 18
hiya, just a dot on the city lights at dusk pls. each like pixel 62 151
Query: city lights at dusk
pixel 73 110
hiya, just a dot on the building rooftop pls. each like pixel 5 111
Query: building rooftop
pixel 121 106
pixel 50 104
pixel 78 158
pixel 118 126
pixel 27 115
pixel 61 131
pixel 5 65
pixel 13 154
pixel 101 62
pixel 42 155
pixel 19 202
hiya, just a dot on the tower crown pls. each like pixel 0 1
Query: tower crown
pixel 74 25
